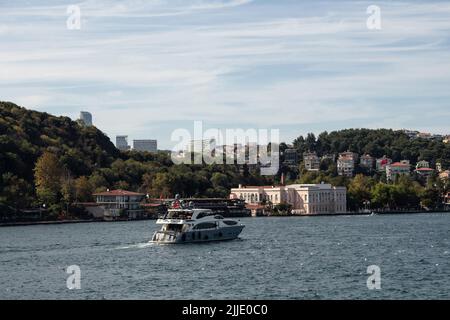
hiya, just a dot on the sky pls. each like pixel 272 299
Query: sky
pixel 144 68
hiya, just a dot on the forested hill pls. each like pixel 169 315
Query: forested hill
pixel 55 161
pixel 377 142
pixel 26 134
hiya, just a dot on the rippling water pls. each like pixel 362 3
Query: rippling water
pixel 276 258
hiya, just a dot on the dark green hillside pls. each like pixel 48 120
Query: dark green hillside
pixel 25 134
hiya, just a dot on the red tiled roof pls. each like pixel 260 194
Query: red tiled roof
pixel 118 192
pixel 399 164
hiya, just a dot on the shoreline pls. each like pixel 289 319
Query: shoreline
pixel 31 223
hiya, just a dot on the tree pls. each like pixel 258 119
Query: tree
pixel 83 189
pixel 15 191
pixel 359 191
pixel 381 195
pixel 161 186
pixel 219 180
pixel 67 190
pixel 47 173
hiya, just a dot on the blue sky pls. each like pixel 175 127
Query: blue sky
pixel 147 67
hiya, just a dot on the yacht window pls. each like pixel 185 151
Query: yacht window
pixel 205 225
pixel 174 227
pixel 204 214
pixel 230 222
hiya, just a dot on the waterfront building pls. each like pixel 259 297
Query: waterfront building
pixel 367 161
pixel 304 198
pixel 381 163
pixel 86 118
pixel 397 168
pixel 122 143
pixel 148 145
pixel 346 163
pixel 311 161
pixel 117 204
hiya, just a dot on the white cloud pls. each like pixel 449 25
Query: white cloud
pixel 227 62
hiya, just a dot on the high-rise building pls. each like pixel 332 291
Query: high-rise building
pixel 148 145
pixel 122 143
pixel 86 118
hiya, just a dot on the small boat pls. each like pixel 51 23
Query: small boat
pixel 195 225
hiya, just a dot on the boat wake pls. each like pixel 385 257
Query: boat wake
pixel 136 246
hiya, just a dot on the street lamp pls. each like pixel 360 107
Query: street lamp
pixel 40 211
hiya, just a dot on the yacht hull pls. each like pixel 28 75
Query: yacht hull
pixel 194 236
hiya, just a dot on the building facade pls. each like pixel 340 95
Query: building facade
pixel 86 118
pixel 290 157
pixel 366 161
pixel 122 143
pixel 346 163
pixel 381 163
pixel 304 198
pixel 311 161
pixel 397 168
pixel 148 145
pixel 120 204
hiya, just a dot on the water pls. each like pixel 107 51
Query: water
pixel 276 258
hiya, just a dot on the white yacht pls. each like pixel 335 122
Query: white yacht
pixel 195 225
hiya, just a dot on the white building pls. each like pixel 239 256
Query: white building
pixel 304 198
pixel 145 145
pixel 122 143
pixel 86 118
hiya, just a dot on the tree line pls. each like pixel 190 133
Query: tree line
pixel 55 161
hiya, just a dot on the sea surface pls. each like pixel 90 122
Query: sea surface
pixel 275 258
